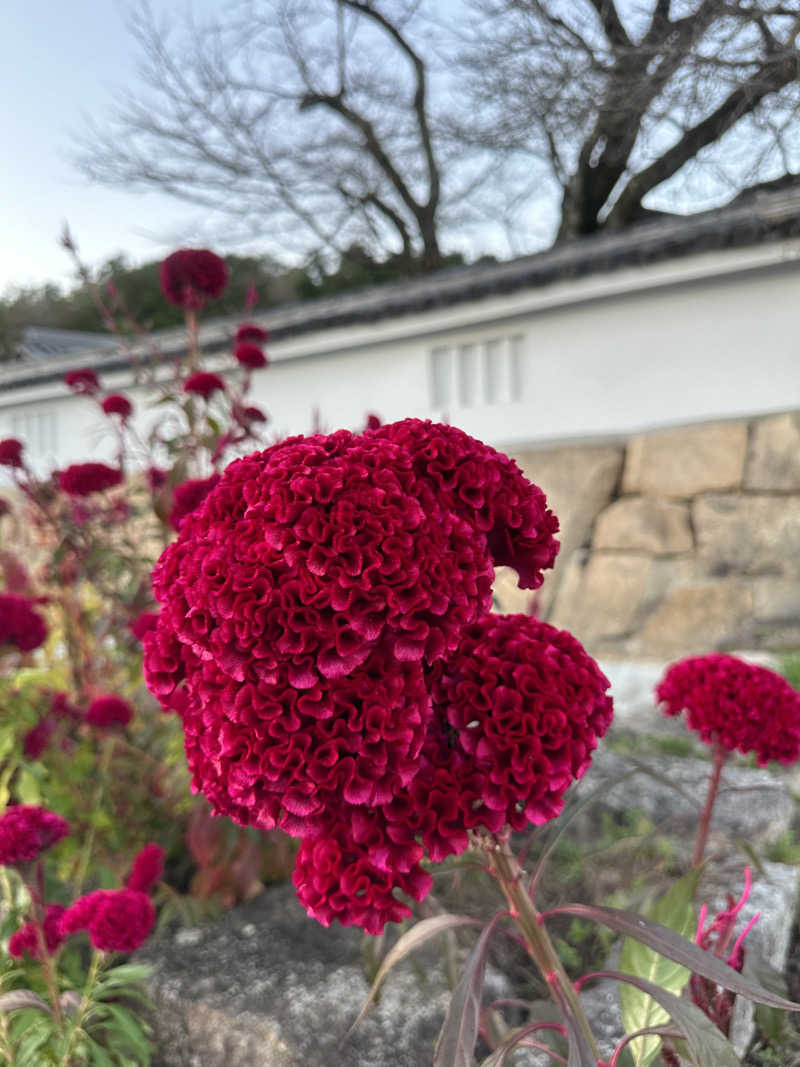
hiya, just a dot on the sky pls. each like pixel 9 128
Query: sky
pixel 60 62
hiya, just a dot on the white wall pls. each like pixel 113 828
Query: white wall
pixel 602 357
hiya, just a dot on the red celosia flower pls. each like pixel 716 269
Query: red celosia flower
pixel 81 479
pixel 118 920
pixel 305 603
pixel 373 422
pixel 251 414
pixel 143 624
pixel 191 277
pixel 249 355
pixel 20 624
pixel 84 382
pixel 188 496
pixel 248 331
pixel 25 940
pixel 735 704
pixel 26 830
pixel 11 452
pixel 718 937
pixel 156 478
pixel 204 384
pixel 109 710
pixel 117 404
pixel 148 866
pixel 37 739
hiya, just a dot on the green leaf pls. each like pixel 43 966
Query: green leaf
pixel 639 1011
pixel 455 1046
pixel 709 1047
pixel 677 948
pixel 409 942
pixel 27 787
pixel 23 998
pixel 131 1028
pixel 100 1058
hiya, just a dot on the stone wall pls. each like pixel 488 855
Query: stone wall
pixel 680 541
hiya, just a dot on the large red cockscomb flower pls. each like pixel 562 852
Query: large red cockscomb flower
pixel 204 384
pixel 81 479
pixel 118 920
pixel 26 939
pixel 83 382
pixel 26 831
pixel 249 355
pixel 191 277
pixel 117 404
pixel 11 450
pixel 188 496
pixel 304 602
pixel 148 866
pixel 248 331
pixel 736 705
pixel 109 710
pixel 20 624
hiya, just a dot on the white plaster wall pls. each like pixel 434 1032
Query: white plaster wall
pixel 599 365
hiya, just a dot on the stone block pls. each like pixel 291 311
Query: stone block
pixel 697 618
pixel 600 600
pixel 579 482
pixel 644 524
pixel 774 460
pixel 682 463
pixel 748 534
pixel 776 600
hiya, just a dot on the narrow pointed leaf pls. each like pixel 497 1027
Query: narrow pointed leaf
pixel 455 1046
pixel 677 948
pixel 580 1052
pixel 522 1037
pixel 410 942
pixel 23 998
pixel 639 1011
pixel 709 1047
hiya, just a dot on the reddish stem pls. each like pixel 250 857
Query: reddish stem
pixel 720 755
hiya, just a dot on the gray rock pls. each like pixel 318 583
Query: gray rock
pixel 266 986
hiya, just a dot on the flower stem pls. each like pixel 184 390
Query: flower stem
pixel 77 1021
pixel 509 875
pixel 720 755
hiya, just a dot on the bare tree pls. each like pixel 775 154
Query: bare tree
pixel 619 99
pixel 310 119
pixel 390 123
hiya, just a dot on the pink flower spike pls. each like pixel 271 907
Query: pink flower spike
pixel 736 958
pixel 701 922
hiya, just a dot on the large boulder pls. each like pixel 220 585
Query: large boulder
pixel 266 986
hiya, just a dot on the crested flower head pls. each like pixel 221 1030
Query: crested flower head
pixel 249 355
pixel 735 704
pixel 26 831
pixel 11 449
pixel 191 277
pixel 118 920
pixel 204 384
pixel 83 382
pixel 109 710
pixel 117 404
pixel 26 941
pixel 82 479
pixel 20 624
pixel 143 623
pixel 308 603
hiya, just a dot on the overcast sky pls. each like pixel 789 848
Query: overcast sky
pixel 58 63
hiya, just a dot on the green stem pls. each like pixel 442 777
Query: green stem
pixel 80 1014
pixel 720 755
pixel 509 875
pixel 102 775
